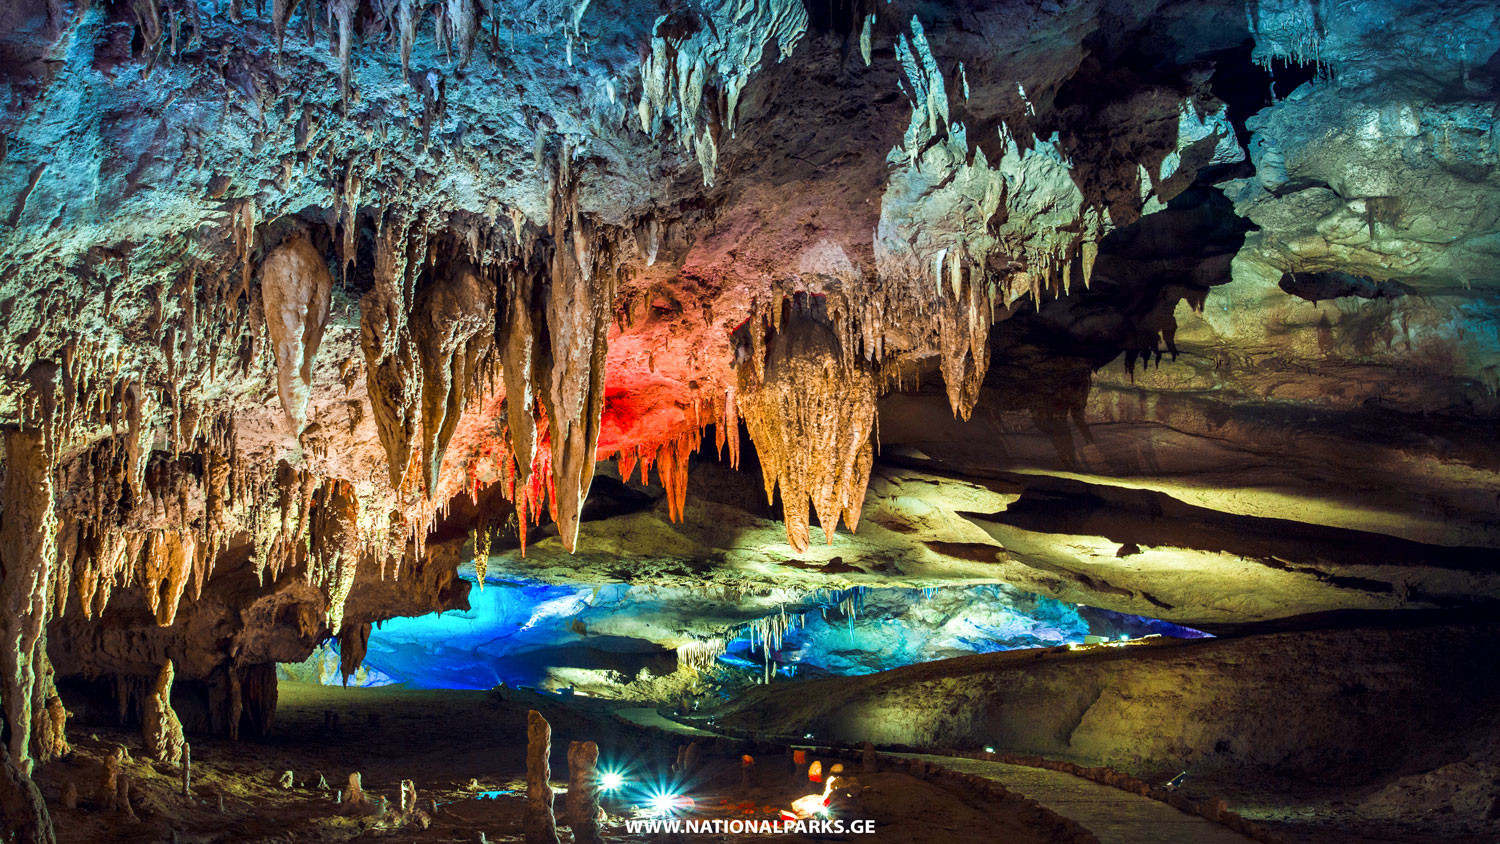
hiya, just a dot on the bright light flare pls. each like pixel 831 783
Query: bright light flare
pixel 611 781
pixel 666 802
pixel 812 804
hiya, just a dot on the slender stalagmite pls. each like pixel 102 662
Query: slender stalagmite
pixel 541 828
pixel 583 791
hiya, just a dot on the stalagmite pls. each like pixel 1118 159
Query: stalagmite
pixel 53 728
pixel 162 731
pixel 811 417
pixel 354 795
pixel 481 538
pixel 297 291
pixel 541 827
pixel 583 791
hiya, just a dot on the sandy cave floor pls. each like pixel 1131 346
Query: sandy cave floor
pixel 447 742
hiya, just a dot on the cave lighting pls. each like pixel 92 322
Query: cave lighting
pixel 812 804
pixel 611 781
pixel 661 802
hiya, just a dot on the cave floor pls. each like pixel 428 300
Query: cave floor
pixel 465 750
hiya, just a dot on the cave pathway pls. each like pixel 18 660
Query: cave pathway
pixel 1114 816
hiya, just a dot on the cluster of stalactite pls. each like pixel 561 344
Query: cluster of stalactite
pixel 692 79
pixel 809 405
pixel 670 456
pixel 95 503
pixel 527 321
pixel 700 656
pixel 766 633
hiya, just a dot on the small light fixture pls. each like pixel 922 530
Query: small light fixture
pixel 611 780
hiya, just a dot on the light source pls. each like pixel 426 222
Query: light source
pixel 611 780
pixel 666 801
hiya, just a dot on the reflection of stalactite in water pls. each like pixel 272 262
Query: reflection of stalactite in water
pixel 768 632
pixel 481 539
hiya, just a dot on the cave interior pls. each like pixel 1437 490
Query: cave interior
pixel 886 420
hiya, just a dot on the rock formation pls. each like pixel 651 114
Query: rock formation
pixel 296 292
pixel 541 827
pixel 163 732
pixel 583 791
pixel 809 406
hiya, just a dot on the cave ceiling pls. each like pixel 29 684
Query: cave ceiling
pixel 1185 309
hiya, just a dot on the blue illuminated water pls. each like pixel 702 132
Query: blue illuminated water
pixel 558 637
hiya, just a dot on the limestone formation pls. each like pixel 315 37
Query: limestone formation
pixel 583 792
pixel 162 730
pixel 297 291
pixel 354 795
pixel 540 826
pixel 810 409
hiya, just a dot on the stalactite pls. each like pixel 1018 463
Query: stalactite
pixel 700 656
pixel 166 564
pixel 579 307
pixel 354 640
pixel 281 14
pixel 407 14
pixel 518 367
pixel 459 23
pixel 811 416
pixel 390 355
pixel 452 328
pixel 333 559
pixel 344 11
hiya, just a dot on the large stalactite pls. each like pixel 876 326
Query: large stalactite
pixel 809 406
